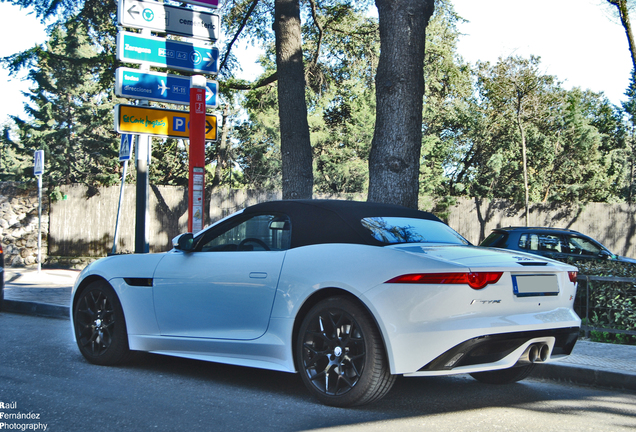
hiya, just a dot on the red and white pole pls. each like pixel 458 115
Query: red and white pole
pixel 196 179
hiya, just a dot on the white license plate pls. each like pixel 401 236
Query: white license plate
pixel 535 285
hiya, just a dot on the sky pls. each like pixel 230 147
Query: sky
pixel 579 41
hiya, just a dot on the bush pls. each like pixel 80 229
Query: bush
pixel 612 304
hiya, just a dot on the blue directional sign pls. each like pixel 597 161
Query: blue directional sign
pixel 134 48
pixel 160 87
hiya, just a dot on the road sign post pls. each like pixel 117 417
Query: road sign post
pixel 125 148
pixel 142 214
pixel 196 181
pixel 38 170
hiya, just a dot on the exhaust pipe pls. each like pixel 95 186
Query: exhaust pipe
pixel 535 353
pixel 544 353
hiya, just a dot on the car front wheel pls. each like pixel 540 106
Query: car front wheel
pixel 341 356
pixel 100 328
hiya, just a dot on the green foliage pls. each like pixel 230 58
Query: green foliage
pixel 575 139
pixel 580 146
pixel 448 87
pixel 612 304
pixel 71 113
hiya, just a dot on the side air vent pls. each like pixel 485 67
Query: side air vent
pixel 143 282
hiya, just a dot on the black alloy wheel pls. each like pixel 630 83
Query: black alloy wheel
pixel 100 328
pixel 341 355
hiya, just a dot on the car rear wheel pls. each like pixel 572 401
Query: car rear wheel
pixel 504 376
pixel 100 328
pixel 341 356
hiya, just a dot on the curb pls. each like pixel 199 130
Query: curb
pixel 585 376
pixel 34 308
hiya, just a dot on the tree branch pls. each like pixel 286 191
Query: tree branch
pixel 241 86
pixel 238 32
pixel 320 31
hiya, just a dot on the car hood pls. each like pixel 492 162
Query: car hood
pixel 626 259
pixel 477 257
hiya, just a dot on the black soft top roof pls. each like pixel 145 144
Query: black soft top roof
pixel 334 221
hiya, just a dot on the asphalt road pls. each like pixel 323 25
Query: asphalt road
pixel 42 373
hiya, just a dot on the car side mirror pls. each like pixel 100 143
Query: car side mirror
pixel 605 254
pixel 184 242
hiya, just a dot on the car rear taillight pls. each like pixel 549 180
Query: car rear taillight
pixel 476 280
pixel 573 275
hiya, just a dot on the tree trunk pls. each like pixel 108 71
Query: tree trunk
pixel 526 188
pixel 621 5
pixel 221 156
pixel 394 161
pixel 292 109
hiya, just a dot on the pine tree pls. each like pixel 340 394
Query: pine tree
pixel 70 108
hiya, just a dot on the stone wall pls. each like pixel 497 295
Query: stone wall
pixel 19 223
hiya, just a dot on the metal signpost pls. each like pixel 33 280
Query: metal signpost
pixel 145 121
pixel 196 181
pixel 160 87
pixel 159 122
pixel 154 51
pixel 125 148
pixel 168 19
pixel 38 171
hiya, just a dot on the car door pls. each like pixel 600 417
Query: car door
pixel 225 287
pixel 582 248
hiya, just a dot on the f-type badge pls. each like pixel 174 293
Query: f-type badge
pixel 485 302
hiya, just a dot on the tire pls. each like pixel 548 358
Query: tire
pixel 100 328
pixel 340 354
pixel 504 376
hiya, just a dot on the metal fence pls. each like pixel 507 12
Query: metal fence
pixel 594 300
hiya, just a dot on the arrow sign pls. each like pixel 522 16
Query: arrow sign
pixel 190 57
pixel 209 127
pixel 168 19
pixel 124 147
pixel 159 122
pixel 38 162
pixel 160 87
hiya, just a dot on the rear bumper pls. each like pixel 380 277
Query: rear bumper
pixel 492 349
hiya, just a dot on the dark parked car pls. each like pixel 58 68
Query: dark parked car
pixel 555 243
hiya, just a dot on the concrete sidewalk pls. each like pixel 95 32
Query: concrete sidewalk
pixel 47 293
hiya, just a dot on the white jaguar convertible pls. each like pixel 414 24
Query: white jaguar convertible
pixel 347 294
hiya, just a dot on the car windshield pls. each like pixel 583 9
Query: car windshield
pixel 391 230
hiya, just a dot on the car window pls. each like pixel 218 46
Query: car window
pixel 495 239
pixel 529 242
pixel 542 243
pixel 581 246
pixel 258 233
pixel 393 230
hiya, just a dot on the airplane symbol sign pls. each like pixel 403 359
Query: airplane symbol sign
pixel 160 87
